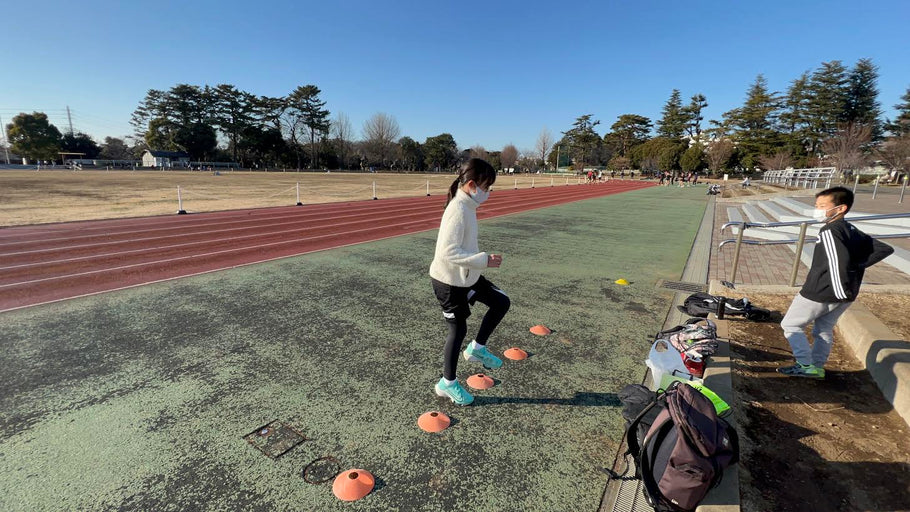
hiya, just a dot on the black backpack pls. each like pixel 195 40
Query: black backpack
pixel 682 451
pixel 701 304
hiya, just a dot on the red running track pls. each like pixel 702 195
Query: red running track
pixel 51 262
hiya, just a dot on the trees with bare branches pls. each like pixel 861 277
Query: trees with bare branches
pixel 479 151
pixel 508 156
pixel 544 144
pixel 719 153
pixel 343 134
pixel 845 147
pixel 895 153
pixel 776 161
pixel 379 132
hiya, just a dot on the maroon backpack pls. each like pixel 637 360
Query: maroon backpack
pixel 685 451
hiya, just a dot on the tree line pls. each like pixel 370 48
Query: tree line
pixel 830 116
pixel 827 116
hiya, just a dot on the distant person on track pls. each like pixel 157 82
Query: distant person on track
pixel 842 255
pixel 456 274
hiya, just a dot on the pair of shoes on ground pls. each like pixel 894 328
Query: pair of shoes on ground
pixel 455 391
pixel 809 371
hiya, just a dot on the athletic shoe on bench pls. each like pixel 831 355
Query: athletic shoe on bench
pixel 455 392
pixel 809 371
pixel 482 355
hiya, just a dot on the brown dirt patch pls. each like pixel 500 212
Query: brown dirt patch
pixel 891 309
pixel 37 197
pixel 835 444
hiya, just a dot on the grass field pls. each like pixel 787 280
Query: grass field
pixel 35 197
pixel 139 399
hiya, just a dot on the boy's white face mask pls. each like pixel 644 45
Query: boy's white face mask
pixel 821 215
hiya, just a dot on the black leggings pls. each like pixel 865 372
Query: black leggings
pixel 498 302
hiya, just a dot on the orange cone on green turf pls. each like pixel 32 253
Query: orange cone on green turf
pixel 433 421
pixel 353 484
pixel 480 381
pixel 621 282
pixel 516 354
pixel 540 330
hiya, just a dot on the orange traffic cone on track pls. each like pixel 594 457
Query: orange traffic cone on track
pixel 433 421
pixel 515 354
pixel 353 484
pixel 480 381
pixel 540 330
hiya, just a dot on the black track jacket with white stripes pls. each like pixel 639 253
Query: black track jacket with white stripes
pixel 841 257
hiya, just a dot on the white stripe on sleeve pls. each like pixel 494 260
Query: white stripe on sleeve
pixel 833 265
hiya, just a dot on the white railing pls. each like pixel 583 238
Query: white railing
pixel 802 178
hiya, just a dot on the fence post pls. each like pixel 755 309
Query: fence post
pixel 904 186
pixel 532 182
pixel 875 188
pixel 799 252
pixel 428 188
pixel 855 183
pixel 298 195
pixel 180 210
pixel 739 243
pixel 516 184
pixel 551 182
pixel 374 191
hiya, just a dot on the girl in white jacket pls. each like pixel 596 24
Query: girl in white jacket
pixel 457 280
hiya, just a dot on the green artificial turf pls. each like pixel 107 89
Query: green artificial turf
pixel 139 399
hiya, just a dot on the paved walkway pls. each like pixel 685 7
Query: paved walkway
pixel 772 264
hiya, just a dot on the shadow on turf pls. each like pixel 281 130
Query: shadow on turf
pixel 583 399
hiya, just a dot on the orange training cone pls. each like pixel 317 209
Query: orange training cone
pixel 353 484
pixel 433 421
pixel 480 381
pixel 540 330
pixel 516 354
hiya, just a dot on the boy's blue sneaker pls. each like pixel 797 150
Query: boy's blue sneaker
pixel 809 371
pixel 457 393
pixel 482 355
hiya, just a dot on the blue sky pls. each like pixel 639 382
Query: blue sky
pixel 490 73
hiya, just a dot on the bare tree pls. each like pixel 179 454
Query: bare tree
pixel 379 132
pixel 895 153
pixel 508 156
pixel 718 153
pixel 779 160
pixel 343 134
pixel 845 147
pixel 479 151
pixel 544 144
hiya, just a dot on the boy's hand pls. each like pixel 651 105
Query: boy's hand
pixel 494 260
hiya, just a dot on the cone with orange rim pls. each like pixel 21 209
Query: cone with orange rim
pixel 540 330
pixel 433 421
pixel 480 381
pixel 353 484
pixel 516 354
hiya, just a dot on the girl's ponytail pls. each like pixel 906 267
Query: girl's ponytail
pixel 453 190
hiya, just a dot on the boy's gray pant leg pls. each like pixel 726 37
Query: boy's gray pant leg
pixel 802 312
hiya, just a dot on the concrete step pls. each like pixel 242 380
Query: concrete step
pixel 806 210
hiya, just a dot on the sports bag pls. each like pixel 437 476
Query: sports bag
pixel 697 337
pixel 685 450
pixel 702 304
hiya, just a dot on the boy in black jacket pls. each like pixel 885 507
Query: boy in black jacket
pixel 841 256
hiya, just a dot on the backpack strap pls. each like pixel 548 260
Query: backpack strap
pixel 632 446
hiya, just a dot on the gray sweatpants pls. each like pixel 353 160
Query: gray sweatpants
pixel 802 312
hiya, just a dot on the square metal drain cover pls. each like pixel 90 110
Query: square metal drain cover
pixel 275 438
pixel 683 286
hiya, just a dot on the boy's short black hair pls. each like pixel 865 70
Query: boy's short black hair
pixel 839 196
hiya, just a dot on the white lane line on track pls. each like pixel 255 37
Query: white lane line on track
pixel 252 247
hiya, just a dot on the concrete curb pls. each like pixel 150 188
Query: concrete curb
pixel 883 353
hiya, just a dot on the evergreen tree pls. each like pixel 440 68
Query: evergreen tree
pixel 693 159
pixel 583 138
pixel 628 131
pixel 673 123
pixel 794 118
pixel 901 124
pixel 862 100
pixel 693 115
pixel 305 102
pixel 34 137
pixel 756 122
pixel 828 102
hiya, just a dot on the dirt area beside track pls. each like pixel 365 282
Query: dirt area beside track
pixel 835 444
pixel 38 197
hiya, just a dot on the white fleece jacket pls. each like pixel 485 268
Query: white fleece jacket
pixel 458 260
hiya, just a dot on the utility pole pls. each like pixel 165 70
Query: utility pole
pixel 70 118
pixel 5 140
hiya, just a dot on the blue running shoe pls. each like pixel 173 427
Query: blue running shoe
pixel 809 371
pixel 482 355
pixel 457 393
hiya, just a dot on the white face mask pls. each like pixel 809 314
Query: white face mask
pixel 480 195
pixel 820 215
